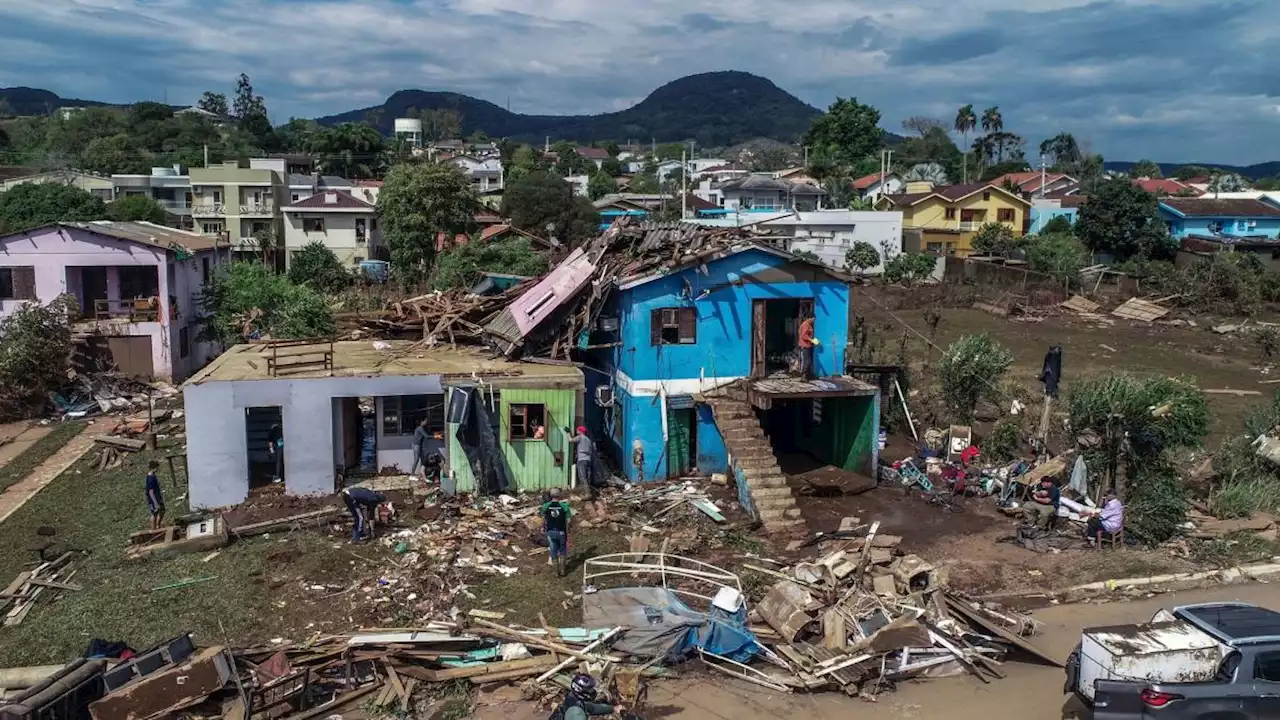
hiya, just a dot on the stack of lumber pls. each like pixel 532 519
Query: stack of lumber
pixel 47 580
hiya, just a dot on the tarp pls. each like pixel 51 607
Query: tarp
pixel 659 624
pixel 478 440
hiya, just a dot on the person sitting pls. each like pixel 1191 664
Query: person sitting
pixel 580 702
pixel 1044 506
pixel 1108 520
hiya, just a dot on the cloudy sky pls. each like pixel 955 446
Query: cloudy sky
pixel 1172 80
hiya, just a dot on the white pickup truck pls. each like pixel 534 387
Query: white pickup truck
pixel 1218 661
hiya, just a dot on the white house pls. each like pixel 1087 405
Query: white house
pixel 346 224
pixel 830 234
pixel 579 183
pixel 872 187
pixel 303 186
pixel 667 167
pixel 485 172
pixel 761 193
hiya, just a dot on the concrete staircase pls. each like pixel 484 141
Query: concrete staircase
pixel 751 453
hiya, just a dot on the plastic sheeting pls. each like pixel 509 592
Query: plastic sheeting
pixel 659 624
pixel 479 441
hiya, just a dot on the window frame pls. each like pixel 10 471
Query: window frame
pixel 184 342
pixel 682 320
pixel 393 410
pixel 313 224
pixel 1272 657
pixel 22 282
pixel 1006 215
pixel 523 410
pixel 949 214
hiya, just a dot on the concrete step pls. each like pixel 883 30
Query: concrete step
pixel 768 484
pixel 760 493
pixel 749 451
pixel 784 525
pixel 784 504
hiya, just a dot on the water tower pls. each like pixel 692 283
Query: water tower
pixel 409 129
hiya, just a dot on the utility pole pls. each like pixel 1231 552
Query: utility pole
pixel 684 187
pixel 206 156
pixel 1042 174
pixel 806 157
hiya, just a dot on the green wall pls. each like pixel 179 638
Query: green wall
pixel 847 435
pixel 531 464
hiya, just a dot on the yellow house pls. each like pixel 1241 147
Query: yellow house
pixel 947 216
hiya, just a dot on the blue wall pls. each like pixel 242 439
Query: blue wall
pixel 724 320
pixel 1041 216
pixel 1180 227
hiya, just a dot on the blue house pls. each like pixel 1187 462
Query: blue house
pixel 1045 209
pixel 706 345
pixel 1211 218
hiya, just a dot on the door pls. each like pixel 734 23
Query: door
pixel 681 445
pixel 93 286
pixel 758 357
pixel 132 356
pixel 352 439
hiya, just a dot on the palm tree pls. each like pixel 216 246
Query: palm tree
pixel 992 120
pixel 966 121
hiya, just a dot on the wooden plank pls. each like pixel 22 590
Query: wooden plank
pixel 539 663
pixel 394 681
pixel 120 442
pixel 55 585
pixel 283 523
pixel 958 606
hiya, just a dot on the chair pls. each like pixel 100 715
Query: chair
pixel 1119 534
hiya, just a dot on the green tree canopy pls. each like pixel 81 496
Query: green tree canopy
pixel 909 268
pixel 35 346
pixel 315 265
pixel 213 102
pixel 540 200
pixel 970 370
pixel 115 154
pixel 848 133
pixel 523 161
pixel 419 201
pixel 1058 224
pixel 862 256
pixel 461 266
pixel 1145 168
pixel 600 184
pixel 994 238
pixel 1059 254
pixel 252 295
pixel 351 150
pixel 137 207
pixel 32 204
pixel 1186 172
pixel 1120 218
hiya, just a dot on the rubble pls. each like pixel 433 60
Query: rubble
pixel 47 580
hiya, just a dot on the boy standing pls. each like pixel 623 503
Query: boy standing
pixel 555 520
pixel 155 500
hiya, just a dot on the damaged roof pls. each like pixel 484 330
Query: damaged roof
pixel 143 233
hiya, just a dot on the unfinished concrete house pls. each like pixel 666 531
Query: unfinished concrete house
pixel 349 409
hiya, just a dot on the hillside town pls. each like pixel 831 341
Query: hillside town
pixel 384 419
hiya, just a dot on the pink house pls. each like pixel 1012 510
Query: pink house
pixel 137 285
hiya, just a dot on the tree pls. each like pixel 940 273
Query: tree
pixel 862 257
pixel 213 102
pixel 1120 218
pixel 252 299
pixel 250 109
pixel 994 238
pixel 115 154
pixel 133 208
pixel 1186 172
pixel 1062 149
pixel 992 120
pixel 418 202
pixel 461 266
pixel 933 148
pixel 6 110
pixel 1145 169
pixel 611 167
pixel 568 161
pixel 1268 184
pixel 808 256
pixel 930 172
pixel 846 134
pixel 32 204
pixel 351 150
pixel 315 265
pixel 908 268
pixel 1227 182
pixel 1057 225
pixel 965 122
pixel 297 135
pixel 479 137
pixel 35 349
pixel 524 161
pixel 600 184
pixel 5 141
pixel 613 149
pixel 970 370
pixel 439 124
pixel 1058 254
pixel 921 125
pixel 544 204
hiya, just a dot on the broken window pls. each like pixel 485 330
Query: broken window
pixel 673 326
pixel 18 283
pixel 401 414
pixel 527 421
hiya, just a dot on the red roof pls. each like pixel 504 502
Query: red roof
pixel 1198 180
pixel 1166 186
pixel 867 181
pixel 333 200
pixel 593 153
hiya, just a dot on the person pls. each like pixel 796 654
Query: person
pixel 556 514
pixel 155 499
pixel 421 447
pixel 807 342
pixel 1044 506
pixel 275 448
pixel 540 432
pixel 365 505
pixel 580 702
pixel 1109 519
pixel 585 459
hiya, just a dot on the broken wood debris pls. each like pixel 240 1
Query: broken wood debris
pixel 47 580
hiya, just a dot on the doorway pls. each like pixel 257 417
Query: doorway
pixel 93 286
pixel 775 331
pixel 264 429
pixel 682 441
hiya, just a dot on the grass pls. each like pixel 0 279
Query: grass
pixel 1232 550
pixel 1243 496
pixel 262 590
pixel 41 450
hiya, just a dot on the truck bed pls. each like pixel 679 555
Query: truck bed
pixel 1169 652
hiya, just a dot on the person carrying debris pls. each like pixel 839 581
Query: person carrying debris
pixel 1044 506
pixel 155 500
pixel 365 505
pixel 580 702
pixel 275 448
pixel 1108 520
pixel 556 515
pixel 424 454
pixel 585 459
pixel 807 342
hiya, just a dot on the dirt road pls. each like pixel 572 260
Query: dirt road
pixel 1030 692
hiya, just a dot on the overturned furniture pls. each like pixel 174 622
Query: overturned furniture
pixel 198 536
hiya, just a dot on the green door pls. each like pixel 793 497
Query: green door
pixel 679 442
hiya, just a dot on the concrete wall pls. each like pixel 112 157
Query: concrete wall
pixel 216 445
pixel 339 234
pixel 1180 227
pixel 830 235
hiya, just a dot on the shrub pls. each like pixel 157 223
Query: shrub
pixel 249 300
pixel 1059 255
pixel 1057 224
pixel 994 239
pixel 1003 440
pixel 907 268
pixel 461 267
pixel 862 256
pixel 316 265
pixel 969 372
pixel 35 345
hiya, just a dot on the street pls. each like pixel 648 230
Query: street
pixel 1030 692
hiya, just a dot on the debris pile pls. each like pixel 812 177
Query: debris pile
pixel 46 580
pixel 108 392
pixel 442 316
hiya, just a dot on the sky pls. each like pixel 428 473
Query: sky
pixel 1169 80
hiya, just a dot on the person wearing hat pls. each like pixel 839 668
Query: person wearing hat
pixel 580 702
pixel 585 459
pixel 1108 520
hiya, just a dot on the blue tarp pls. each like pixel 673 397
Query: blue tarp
pixel 660 624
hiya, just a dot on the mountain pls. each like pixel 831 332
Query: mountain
pixel 1253 172
pixel 33 101
pixel 715 109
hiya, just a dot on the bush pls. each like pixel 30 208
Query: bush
pixel 1156 506
pixel 970 370
pixel 137 207
pixel 1060 255
pixel 907 268
pixel 1002 442
pixel 250 300
pixel 1058 224
pixel 461 267
pixel 316 265
pixel 35 345
pixel 862 256
pixel 1228 282
pixel 994 238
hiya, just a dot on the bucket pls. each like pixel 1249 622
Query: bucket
pixel 448 485
pixel 884 438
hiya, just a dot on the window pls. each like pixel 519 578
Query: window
pixel 313 225
pixel 402 413
pixel 933 247
pixel 524 421
pixel 217 197
pixel 184 342
pixel 950 214
pixel 139 281
pixel 986 195
pixel 360 230
pixel 1267 667
pixel 1004 215
pixel 211 228
pixel 18 283
pixel 295 197
pixel 204 269
pixel 673 326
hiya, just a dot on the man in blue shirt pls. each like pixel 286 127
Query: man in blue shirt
pixel 364 505
pixel 155 500
pixel 1043 507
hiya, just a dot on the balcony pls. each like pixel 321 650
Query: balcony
pixel 969 225
pixel 136 310
pixel 259 209
pixel 176 207
pixel 208 209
